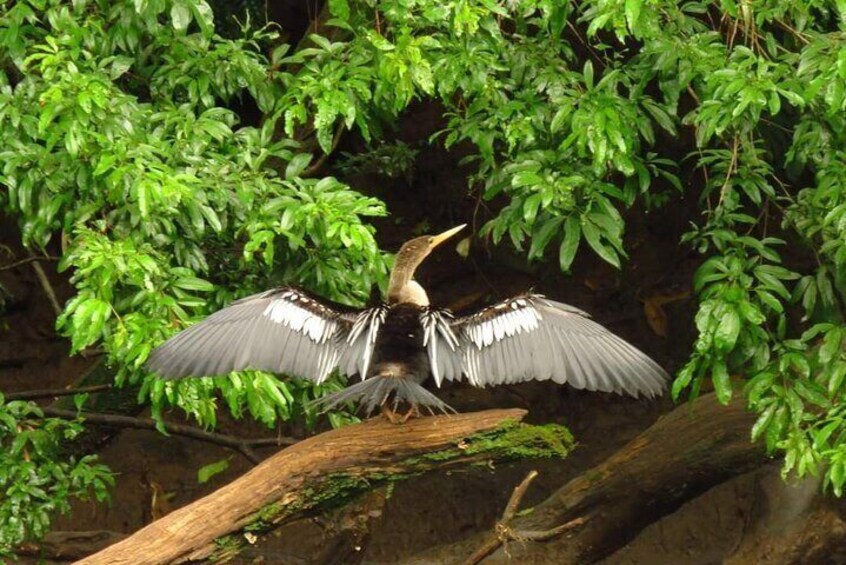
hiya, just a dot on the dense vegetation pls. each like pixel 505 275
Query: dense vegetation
pixel 120 140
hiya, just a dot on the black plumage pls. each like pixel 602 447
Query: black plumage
pixel 394 347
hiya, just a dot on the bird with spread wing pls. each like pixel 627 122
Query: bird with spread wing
pixel 395 346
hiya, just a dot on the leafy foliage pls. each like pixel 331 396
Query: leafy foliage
pixel 118 132
pixel 115 135
pixel 34 481
pixel 393 160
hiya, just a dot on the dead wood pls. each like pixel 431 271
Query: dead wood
pixel 791 521
pixel 347 529
pixel 686 452
pixel 503 532
pixel 325 469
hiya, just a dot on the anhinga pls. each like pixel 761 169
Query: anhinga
pixel 396 345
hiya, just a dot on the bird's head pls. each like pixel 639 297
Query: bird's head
pixel 413 252
pixel 401 287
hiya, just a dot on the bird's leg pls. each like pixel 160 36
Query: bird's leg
pixel 395 418
pixel 392 416
pixel 413 411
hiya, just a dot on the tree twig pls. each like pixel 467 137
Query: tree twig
pixel 45 283
pixel 732 169
pixel 695 447
pixel 53 392
pixel 26 260
pixel 312 170
pixel 504 533
pixel 242 445
pixel 517 497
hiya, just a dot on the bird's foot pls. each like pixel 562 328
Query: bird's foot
pixel 395 418
pixel 413 411
pixel 392 416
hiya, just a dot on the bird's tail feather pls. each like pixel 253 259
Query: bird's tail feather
pixel 377 390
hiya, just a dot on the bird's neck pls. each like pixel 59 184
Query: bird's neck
pixel 403 289
pixel 412 293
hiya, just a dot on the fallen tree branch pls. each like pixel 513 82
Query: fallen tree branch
pixel 791 521
pixel 326 469
pixel 347 529
pixel 241 445
pixel 686 452
pixel 504 533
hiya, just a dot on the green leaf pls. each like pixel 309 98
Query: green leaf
pixel 530 208
pixel 206 472
pixel 593 237
pixel 832 345
pixel 588 74
pixel 812 392
pixel 525 178
pixel 340 9
pixel 683 379
pixel 722 382
pixel 838 373
pixel 560 117
pixel 204 16
pixel 752 313
pixel 297 165
pixel 193 283
pixel 763 421
pixel 180 15
pixel 79 400
pixel 633 12
pixel 379 42
pixel 821 436
pixel 544 232
pixel 727 331
pixel 570 243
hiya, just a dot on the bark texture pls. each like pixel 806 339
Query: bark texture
pixel 686 452
pixel 326 469
pixel 792 522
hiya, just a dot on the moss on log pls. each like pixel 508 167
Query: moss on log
pixel 328 470
pixel 510 440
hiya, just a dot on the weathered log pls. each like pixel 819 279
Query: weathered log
pixel 791 521
pixel 326 469
pixel 686 452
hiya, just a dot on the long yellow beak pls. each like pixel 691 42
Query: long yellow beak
pixel 442 237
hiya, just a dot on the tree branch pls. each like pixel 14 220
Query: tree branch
pixel 45 283
pixel 326 469
pixel 54 392
pixel 242 445
pixel 693 448
pixel 26 260
pixel 315 168
pixel 503 532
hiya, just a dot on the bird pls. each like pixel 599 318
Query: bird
pixel 396 345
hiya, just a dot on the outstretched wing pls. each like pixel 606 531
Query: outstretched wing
pixel 530 337
pixel 282 330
